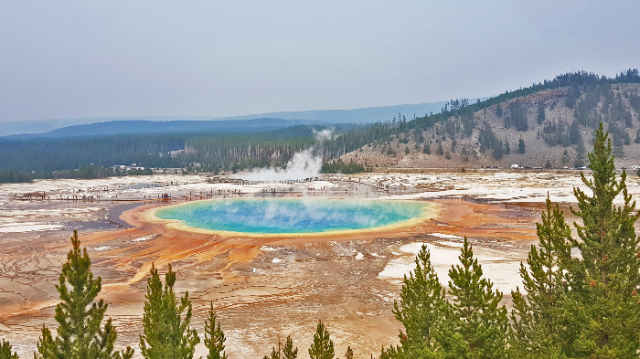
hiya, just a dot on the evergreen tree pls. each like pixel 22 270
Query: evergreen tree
pixel 421 309
pixel 572 95
pixel 507 148
pixel 581 152
pixel 322 347
pixel 603 305
pixel 497 150
pixel 541 115
pixel 274 354
pixel 214 337
pixel 517 117
pixel 427 149
pixel 440 149
pixel 521 146
pixel 565 156
pixel 538 320
pixel 289 352
pixel 166 334
pixel 79 318
pixel 349 353
pixel 574 133
pixel 5 351
pixel 486 138
pixel 476 323
pixel 499 110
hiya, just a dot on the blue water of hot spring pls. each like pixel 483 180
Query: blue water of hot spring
pixel 269 216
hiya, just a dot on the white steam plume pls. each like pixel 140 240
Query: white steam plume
pixel 303 165
pixel 325 134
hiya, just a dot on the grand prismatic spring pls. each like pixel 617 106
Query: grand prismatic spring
pixel 292 216
pixel 265 262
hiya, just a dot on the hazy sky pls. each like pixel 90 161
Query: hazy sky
pixel 86 58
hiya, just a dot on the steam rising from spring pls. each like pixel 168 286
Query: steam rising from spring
pixel 303 165
pixel 325 134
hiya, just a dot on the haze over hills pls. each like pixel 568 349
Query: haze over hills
pixel 132 127
pixel 549 124
pixel 191 123
pixel 360 115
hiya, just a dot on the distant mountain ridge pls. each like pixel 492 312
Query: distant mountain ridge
pixel 133 127
pixel 360 115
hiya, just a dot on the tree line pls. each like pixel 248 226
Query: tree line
pixel 22 160
pixel 579 297
pixel 513 115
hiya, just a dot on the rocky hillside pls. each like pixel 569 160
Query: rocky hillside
pixel 550 128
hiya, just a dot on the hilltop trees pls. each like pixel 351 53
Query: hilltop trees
pixel 572 95
pixel 79 318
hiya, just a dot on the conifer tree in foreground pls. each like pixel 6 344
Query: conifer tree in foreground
pixel 322 347
pixel 603 305
pixel 79 318
pixel 5 351
pixel 288 352
pixel 214 337
pixel 274 354
pixel 166 332
pixel 538 323
pixel 349 353
pixel 476 324
pixel 420 310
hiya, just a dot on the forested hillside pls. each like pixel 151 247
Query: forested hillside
pixel 24 159
pixel 548 124
pixel 545 125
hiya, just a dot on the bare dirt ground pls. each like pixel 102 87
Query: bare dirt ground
pixel 262 288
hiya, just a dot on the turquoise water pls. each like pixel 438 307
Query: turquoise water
pixel 291 215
